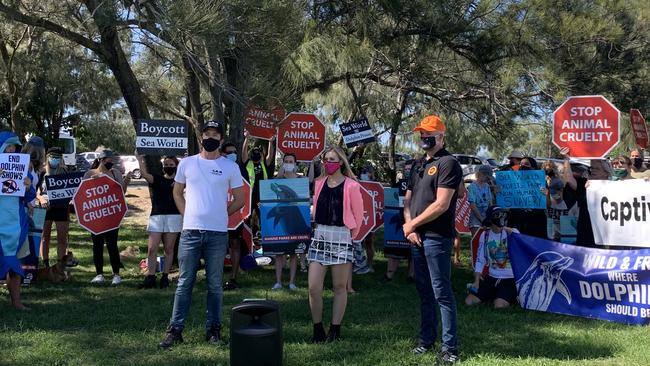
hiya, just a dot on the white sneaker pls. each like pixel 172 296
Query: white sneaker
pixel 277 286
pixel 116 280
pixel 293 287
pixel 98 279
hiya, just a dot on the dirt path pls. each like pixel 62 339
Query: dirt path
pixel 137 198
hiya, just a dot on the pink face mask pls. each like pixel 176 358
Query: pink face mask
pixel 332 167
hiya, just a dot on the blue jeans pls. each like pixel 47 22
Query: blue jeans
pixel 194 244
pixel 432 264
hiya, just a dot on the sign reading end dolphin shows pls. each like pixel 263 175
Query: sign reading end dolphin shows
pixel 161 137
pixel 284 216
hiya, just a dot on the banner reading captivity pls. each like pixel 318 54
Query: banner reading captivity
pixel 61 188
pixel 161 137
pixel 284 216
pixel 521 189
pixel 395 244
pixel 14 171
pixel 566 279
pixel 620 212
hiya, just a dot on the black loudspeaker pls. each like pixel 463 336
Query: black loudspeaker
pixel 256 334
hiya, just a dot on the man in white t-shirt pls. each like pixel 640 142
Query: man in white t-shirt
pixel 205 179
pixel 499 285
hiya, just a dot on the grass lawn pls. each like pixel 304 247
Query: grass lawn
pixel 79 324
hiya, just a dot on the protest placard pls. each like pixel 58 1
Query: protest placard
pixel 395 244
pixel 61 188
pixel 161 137
pixel 521 189
pixel 14 169
pixel 357 132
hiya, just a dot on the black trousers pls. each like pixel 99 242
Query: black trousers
pixel 110 238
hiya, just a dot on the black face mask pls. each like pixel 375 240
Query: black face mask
pixel 108 165
pixel 550 172
pixel 256 156
pixel 210 144
pixel 499 221
pixel 524 167
pixel 169 170
pixel 637 162
pixel 428 143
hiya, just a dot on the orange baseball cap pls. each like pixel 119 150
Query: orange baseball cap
pixel 431 123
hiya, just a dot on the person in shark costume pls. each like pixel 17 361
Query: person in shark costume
pixel 542 279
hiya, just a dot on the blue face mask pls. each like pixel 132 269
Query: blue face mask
pixel 232 157
pixel 54 163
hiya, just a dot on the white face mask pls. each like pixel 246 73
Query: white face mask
pixel 289 167
pixel 365 177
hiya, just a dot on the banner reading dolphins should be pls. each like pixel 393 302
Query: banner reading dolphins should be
pixel 612 285
pixel 284 216
pixel 395 244
pixel 620 212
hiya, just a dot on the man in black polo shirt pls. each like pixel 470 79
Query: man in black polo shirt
pixel 429 208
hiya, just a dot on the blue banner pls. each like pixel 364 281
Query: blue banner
pixel 395 244
pixel 284 216
pixel 566 279
pixel 521 189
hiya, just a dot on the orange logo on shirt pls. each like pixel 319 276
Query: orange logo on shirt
pixel 432 170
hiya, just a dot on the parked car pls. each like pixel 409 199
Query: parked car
pixel 470 163
pixel 130 164
pixel 90 156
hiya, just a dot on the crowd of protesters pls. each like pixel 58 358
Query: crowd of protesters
pixel 190 211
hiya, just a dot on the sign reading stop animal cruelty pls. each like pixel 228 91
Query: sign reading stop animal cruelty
pixel 357 132
pixel 376 190
pixel 61 188
pixel 261 123
pixel 99 204
pixel 14 169
pixel 161 137
pixel 587 125
pixel 302 134
pixel 639 128
pixel 521 189
pixel 463 212
pixel 612 285
pixel 620 212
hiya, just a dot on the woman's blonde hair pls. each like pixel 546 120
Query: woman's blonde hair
pixel 345 165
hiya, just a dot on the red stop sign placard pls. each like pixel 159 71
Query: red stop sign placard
pixel 639 128
pixel 261 123
pixel 238 217
pixel 462 215
pixel 99 204
pixel 302 134
pixel 587 125
pixel 376 190
pixel 368 221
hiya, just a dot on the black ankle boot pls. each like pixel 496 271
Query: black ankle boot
pixel 164 281
pixel 319 334
pixel 334 333
pixel 149 282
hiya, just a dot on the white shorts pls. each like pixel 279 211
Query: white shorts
pixel 165 224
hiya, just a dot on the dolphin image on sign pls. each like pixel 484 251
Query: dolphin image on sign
pixel 289 218
pixel 397 221
pixel 542 279
pixel 284 192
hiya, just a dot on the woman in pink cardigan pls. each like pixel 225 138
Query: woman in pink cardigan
pixel 338 214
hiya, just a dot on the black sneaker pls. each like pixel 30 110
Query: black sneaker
pixel 422 349
pixel 448 358
pixel 172 336
pixel 231 285
pixel 213 336
pixel 149 282
pixel 164 281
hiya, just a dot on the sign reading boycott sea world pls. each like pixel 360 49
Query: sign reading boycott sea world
pixel 238 217
pixel 261 123
pixel 566 279
pixel 587 125
pixel 462 215
pixel 521 189
pixel 639 128
pixel 161 137
pixel 302 134
pixel 368 221
pixel 99 204
pixel 376 190
pixel 357 132
pixel 14 171
pixel 620 212
pixel 395 244
pixel 285 217
pixel 61 188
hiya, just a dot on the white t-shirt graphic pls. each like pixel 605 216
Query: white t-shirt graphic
pixel 206 191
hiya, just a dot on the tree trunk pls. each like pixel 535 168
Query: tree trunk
pixel 193 88
pixel 215 85
pixel 234 107
pixel 402 99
